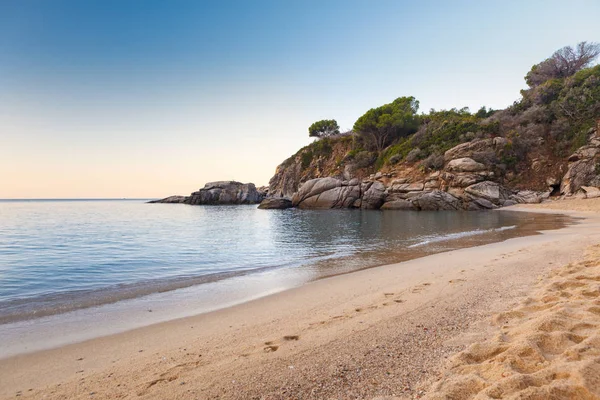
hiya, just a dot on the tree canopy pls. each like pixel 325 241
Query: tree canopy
pixel 382 125
pixel 563 63
pixel 324 128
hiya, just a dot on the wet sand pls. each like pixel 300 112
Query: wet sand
pixel 385 331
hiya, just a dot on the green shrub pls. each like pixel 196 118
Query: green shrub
pixel 307 158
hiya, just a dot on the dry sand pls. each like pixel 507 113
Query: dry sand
pixel 387 331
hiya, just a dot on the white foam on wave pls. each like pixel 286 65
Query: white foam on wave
pixel 459 235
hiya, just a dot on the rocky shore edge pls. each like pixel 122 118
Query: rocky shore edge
pixel 461 184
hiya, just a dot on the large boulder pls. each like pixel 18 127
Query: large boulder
pixel 490 191
pixel 437 200
pixel 462 179
pixel 465 164
pixel 588 192
pixel 373 195
pixel 226 192
pixel 328 193
pixel 583 167
pixel 529 197
pixel 580 173
pixel 275 203
pixel 468 149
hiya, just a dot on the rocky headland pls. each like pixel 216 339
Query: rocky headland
pixel 472 177
pixel 546 144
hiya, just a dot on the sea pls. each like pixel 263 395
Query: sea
pixel 74 269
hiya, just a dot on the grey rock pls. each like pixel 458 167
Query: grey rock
pixel 327 193
pixel 432 184
pixel 595 181
pixel 462 179
pixel 481 204
pixel 496 145
pixel 590 192
pixel 527 197
pixel 226 192
pixel 263 191
pixel 349 171
pixel 407 187
pixel 398 205
pixel 399 181
pixel 491 191
pixel 465 165
pixel 275 203
pixel 437 200
pixel 221 192
pixel 579 174
pixel 171 200
pixel 586 152
pixel 287 179
pixel 508 203
pixel 373 195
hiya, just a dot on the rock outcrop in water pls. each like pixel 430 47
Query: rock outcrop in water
pixel 221 192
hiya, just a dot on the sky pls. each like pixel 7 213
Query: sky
pixel 148 98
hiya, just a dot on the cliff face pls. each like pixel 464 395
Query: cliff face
pixel 324 158
pixel 472 175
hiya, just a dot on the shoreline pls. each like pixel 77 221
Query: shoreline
pixel 143 306
pixel 336 315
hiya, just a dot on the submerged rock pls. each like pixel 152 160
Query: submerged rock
pixel 275 203
pixel 398 205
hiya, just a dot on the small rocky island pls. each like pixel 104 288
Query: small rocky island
pixel 221 192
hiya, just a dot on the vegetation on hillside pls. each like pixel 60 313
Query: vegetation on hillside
pixel 554 114
pixel 324 128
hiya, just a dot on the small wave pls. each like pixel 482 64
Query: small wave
pixel 459 235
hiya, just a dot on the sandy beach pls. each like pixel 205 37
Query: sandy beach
pixel 516 319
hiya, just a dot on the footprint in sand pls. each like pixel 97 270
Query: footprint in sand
pixel 272 346
pixel 170 375
pixel 420 288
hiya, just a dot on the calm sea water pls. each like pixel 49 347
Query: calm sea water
pixel 58 256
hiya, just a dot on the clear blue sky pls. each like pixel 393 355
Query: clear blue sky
pixel 152 98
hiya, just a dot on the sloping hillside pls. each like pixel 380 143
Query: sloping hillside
pixel 546 137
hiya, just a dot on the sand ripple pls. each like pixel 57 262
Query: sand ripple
pixel 547 348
